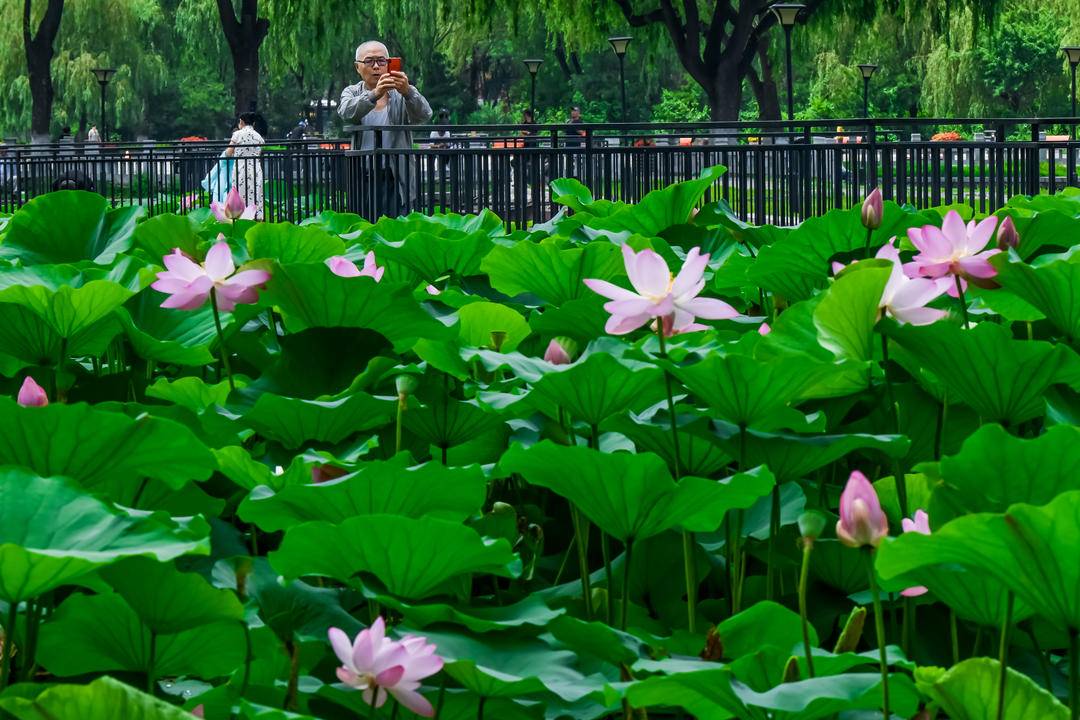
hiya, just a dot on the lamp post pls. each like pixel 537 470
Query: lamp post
pixel 103 75
pixel 1073 53
pixel 618 44
pixel 867 71
pixel 534 67
pixel 786 14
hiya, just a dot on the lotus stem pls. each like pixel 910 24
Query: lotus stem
pixel 441 699
pixel 774 530
pixel 9 643
pixel 1003 655
pixel 626 583
pixel 248 657
pixel 954 636
pixel 292 690
pixel 963 302
pixel 480 708
pixel 1074 674
pixel 33 622
pixel 150 671
pixel 808 547
pixel 374 699
pixel 221 339
pixel 397 427
pixel 393 713
pixel 894 412
pixel 879 630
pixel 583 559
pixel 869 238
pixel 1047 679
pixel 606 552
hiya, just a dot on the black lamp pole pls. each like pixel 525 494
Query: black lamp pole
pixel 867 71
pixel 787 14
pixel 103 75
pixel 534 67
pixel 1073 53
pixel 618 44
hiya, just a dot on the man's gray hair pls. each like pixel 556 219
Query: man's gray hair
pixel 367 44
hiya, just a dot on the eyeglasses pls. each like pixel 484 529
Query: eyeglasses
pixel 373 62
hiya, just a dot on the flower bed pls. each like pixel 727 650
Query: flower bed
pixel 619 462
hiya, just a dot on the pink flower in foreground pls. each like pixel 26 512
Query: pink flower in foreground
pixel 905 298
pixel 954 249
pixel 232 209
pixel 343 267
pixel 862 521
pixel 198 711
pixel 873 209
pixel 556 354
pixel 188 284
pixel 31 394
pixel 378 665
pixel 921 524
pixel 764 329
pixel 1007 237
pixel 674 300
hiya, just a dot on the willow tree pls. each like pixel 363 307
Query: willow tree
pixel 244 32
pixel 40 25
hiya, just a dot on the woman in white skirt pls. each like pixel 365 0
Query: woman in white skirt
pixel 247 175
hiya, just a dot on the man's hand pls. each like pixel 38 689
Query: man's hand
pixel 385 83
pixel 401 81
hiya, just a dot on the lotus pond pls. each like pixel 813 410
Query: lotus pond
pixel 637 461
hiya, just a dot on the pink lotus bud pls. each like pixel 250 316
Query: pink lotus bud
pixel 558 352
pixel 234 205
pixel 921 524
pixel 432 290
pixel 873 210
pixel 31 394
pixel 1007 237
pixel 862 521
pixel 198 711
pixel 764 329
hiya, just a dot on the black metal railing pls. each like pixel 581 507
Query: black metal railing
pixel 778 172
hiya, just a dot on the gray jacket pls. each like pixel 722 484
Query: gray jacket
pixel 410 109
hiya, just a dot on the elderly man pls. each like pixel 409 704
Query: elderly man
pixel 385 97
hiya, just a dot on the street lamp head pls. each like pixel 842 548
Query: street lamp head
pixel 103 75
pixel 533 65
pixel 1073 53
pixel 867 70
pixel 787 13
pixel 619 43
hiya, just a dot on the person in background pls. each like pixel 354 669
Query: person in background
pixel 384 97
pixel 574 137
pixel 439 138
pixel 93 135
pixel 245 147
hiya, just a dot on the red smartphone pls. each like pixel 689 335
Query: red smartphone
pixel 394 65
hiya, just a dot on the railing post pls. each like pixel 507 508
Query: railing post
pixel 807 169
pixel 873 161
pixel 999 196
pixel 1034 169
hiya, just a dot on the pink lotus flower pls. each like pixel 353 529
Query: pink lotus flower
pixel 954 249
pixel 673 300
pixel 764 329
pixel 921 524
pixel 1007 237
pixel 873 210
pixel 343 267
pixel 188 284
pixel 905 298
pixel 199 711
pixel 378 665
pixel 233 208
pixel 862 521
pixel 31 394
pixel 556 354
pixel 187 202
pixel 432 290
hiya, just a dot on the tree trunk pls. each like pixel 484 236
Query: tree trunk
pixel 724 93
pixel 765 88
pixel 244 35
pixel 39 55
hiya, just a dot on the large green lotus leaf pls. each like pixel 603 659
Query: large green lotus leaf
pixel 764 623
pixel 582 319
pixel 847 313
pixel 177 337
pixel 125 271
pixel 293 421
pixel 169 601
pixel 530 612
pixel 1054 289
pixel 411 557
pixel 1000 378
pixel 1028 549
pixel 287 243
pixel 969 691
pixel 189 392
pixel 839 566
pixel 100 448
pixel 994 470
pixel 69 310
pixel 798 264
pixel 705 694
pixel 791 456
pixel 529 369
pixel 973 595
pixel 479 320
pixel 309 295
pixel 160 235
pixel 99 633
pixel 600 386
pixel 795 333
pixel 432 255
pixel 751 392
pixel 662 208
pixel 336 223
pixel 389 229
pixel 52 533
pixel 103 699
pixel 632 497
pixel 549 271
pixel 376 489
pixel 447 422
pixel 296 610
pixel 26 335
pixel 572 193
pixel 1049 227
pixel 699 454
pixel 67 227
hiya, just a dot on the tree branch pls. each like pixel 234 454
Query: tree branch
pixel 639 20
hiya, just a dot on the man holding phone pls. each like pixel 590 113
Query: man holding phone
pixel 385 97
